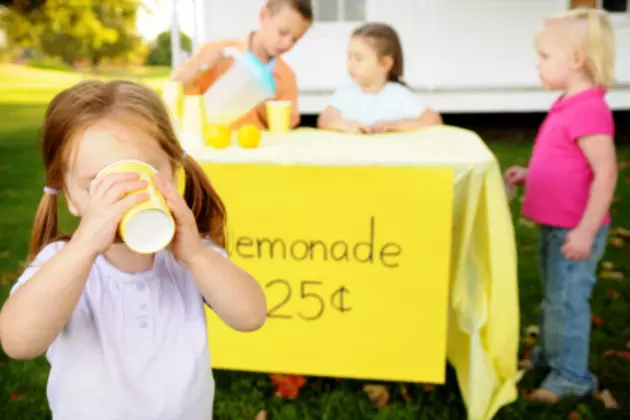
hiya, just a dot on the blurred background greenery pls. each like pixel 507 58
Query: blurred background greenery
pixel 85 35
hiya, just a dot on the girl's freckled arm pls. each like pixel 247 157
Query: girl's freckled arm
pixel 38 311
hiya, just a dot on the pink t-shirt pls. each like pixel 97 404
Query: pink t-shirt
pixel 559 176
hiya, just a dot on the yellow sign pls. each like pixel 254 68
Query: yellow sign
pixel 354 262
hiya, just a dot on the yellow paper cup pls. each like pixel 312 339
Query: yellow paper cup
pixel 149 226
pixel 279 116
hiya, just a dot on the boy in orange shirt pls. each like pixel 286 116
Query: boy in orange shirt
pixel 282 24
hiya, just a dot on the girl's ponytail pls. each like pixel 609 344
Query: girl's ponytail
pixel 601 49
pixel 204 202
pixel 45 228
pixel 600 44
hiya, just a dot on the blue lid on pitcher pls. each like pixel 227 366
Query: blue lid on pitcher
pixel 263 73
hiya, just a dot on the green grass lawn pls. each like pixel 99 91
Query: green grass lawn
pixel 23 95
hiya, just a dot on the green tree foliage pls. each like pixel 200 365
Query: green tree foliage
pixel 161 52
pixel 74 29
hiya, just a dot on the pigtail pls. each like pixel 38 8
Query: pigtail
pixel 204 202
pixel 45 229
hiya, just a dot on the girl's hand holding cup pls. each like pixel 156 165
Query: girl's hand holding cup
pixel 110 199
pixel 186 244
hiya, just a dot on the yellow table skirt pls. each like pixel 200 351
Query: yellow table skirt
pixel 483 310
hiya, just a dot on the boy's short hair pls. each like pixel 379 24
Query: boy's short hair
pixel 303 7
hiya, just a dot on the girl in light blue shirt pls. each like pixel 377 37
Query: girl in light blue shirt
pixel 376 100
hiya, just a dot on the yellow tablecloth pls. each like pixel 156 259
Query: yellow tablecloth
pixel 483 329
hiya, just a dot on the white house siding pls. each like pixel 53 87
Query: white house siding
pixel 461 55
pixel 230 18
pixel 621 24
pixel 488 43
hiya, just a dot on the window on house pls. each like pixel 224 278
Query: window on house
pixel 339 10
pixel 613 6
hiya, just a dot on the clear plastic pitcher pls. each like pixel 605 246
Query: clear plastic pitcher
pixel 247 83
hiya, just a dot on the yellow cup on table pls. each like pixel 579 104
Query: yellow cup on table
pixel 279 116
pixel 147 227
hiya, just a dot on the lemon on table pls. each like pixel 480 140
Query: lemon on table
pixel 249 136
pixel 217 136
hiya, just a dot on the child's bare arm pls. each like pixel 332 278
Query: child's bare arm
pixel 427 118
pixel 204 60
pixel 38 311
pixel 331 119
pixel 233 294
pixel 600 152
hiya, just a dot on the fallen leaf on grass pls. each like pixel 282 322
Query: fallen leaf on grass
pixel 607 399
pixel 378 394
pixel 8 277
pixel 622 354
pixel 611 275
pixel 4 254
pixel 616 241
pixel 621 232
pixel 532 332
pixel 428 388
pixel 405 394
pixel 525 364
pixel 262 415
pixel 526 222
pixel 597 320
pixel 15 397
pixel 613 293
pixel 288 386
pixel 574 415
pixel 607 265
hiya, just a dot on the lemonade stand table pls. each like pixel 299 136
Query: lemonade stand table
pixel 381 256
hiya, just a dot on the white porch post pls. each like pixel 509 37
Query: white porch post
pixel 175 39
pixel 198 7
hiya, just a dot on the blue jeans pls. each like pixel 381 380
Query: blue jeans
pixel 566 313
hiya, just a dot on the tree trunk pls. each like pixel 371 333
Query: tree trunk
pixel 96 62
